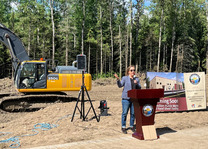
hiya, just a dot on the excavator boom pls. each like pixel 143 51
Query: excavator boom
pixel 14 44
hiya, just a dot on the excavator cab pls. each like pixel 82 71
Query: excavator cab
pixel 31 75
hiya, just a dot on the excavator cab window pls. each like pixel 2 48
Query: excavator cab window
pixel 33 75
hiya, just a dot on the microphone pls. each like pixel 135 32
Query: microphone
pixel 135 84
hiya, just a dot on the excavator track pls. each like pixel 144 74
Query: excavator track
pixel 31 102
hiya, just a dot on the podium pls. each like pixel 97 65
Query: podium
pixel 145 101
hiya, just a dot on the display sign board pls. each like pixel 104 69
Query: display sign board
pixel 182 91
pixel 195 90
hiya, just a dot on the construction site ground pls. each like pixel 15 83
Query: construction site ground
pixel 176 129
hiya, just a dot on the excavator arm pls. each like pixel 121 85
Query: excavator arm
pixel 15 46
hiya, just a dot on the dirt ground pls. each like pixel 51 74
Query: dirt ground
pixel 190 127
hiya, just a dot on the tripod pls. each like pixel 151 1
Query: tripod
pixel 82 111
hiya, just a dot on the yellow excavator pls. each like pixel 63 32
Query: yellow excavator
pixel 34 76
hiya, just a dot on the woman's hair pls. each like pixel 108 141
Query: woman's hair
pixel 127 70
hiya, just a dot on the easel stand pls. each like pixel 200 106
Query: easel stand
pixel 82 111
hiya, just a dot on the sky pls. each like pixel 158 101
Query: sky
pixel 146 2
pixel 171 75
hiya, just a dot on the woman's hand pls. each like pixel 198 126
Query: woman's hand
pixel 116 76
pixel 135 81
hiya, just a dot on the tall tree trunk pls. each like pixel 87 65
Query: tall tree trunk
pixel 67 42
pixel 173 37
pixel 199 68
pixel 120 51
pixel 101 43
pixel 182 53
pixel 206 2
pixel 38 36
pixel 160 37
pixel 127 49
pixel 74 41
pixel 53 30
pixel 150 60
pixel 147 62
pixel 109 64
pixel 96 63
pixel 83 24
pixel 43 50
pixel 12 20
pixel 111 32
pixel 29 40
pixel 137 63
pixel 34 49
pixel 89 52
pixel 207 60
pixel 105 62
pixel 131 24
pixel 172 47
pixel 136 43
pixel 179 62
pixel 139 12
pixel 178 58
pixel 67 49
pixel 140 61
pixel 150 63
pixel 164 57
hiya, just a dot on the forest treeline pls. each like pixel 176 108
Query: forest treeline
pixel 167 35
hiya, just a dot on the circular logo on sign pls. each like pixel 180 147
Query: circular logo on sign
pixel 194 79
pixel 147 110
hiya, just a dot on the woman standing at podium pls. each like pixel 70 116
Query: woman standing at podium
pixel 128 82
